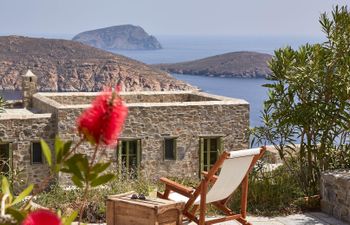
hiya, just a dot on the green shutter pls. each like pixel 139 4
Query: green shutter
pixel 138 152
pixel 11 159
pixel 119 157
pixel 201 156
pixel 163 149
pixel 208 153
pixel 220 146
pixel 174 148
pixel 127 156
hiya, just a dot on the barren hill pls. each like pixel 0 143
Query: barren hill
pixel 63 65
pixel 122 37
pixel 234 64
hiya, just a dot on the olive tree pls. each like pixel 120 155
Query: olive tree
pixel 307 113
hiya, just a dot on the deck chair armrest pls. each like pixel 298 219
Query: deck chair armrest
pixel 213 179
pixel 176 187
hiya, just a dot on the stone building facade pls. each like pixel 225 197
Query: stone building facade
pixel 165 134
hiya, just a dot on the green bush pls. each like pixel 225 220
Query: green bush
pixel 66 199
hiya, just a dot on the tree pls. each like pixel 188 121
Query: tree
pixel 307 113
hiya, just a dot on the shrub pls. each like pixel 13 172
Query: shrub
pixel 307 113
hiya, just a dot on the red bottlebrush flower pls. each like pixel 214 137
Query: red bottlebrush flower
pixel 42 217
pixel 102 123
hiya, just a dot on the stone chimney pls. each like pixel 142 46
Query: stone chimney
pixel 29 83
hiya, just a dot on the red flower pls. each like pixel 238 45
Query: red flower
pixel 42 217
pixel 103 122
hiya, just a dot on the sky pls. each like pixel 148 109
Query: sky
pixel 165 17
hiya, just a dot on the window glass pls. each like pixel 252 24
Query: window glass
pixel 4 158
pixel 169 149
pixel 37 156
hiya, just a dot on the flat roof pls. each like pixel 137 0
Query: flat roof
pixel 22 114
pixel 144 99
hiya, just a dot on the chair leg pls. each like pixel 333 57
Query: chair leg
pixel 243 221
pixel 202 207
pixel 244 197
pixel 165 195
pixel 223 208
pixel 194 209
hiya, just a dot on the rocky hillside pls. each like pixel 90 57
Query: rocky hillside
pixel 234 64
pixel 123 37
pixel 71 66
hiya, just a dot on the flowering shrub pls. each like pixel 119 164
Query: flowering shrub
pixel 102 122
pixel 42 217
pixel 100 125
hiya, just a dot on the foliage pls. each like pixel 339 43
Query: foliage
pixel 66 199
pixel 271 191
pixel 308 103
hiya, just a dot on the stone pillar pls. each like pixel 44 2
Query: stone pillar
pixel 29 83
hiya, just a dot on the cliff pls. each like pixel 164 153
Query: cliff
pixel 123 37
pixel 63 65
pixel 234 64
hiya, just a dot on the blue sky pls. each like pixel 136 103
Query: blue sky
pixel 165 17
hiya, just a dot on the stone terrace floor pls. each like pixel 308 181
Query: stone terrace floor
pixel 310 218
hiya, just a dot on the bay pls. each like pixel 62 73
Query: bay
pixel 250 90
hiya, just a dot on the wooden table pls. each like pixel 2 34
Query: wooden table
pixel 121 210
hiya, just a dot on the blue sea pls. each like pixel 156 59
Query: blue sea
pixel 185 48
pixel 179 49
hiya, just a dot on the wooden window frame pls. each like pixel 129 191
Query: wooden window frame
pixel 119 154
pixel 10 156
pixel 174 148
pixel 32 153
pixel 220 146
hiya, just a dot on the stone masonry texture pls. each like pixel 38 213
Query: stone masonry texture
pixel 335 193
pixel 186 115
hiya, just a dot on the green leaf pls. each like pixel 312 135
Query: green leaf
pixel 67 147
pixel 73 169
pixel 58 149
pixel 23 194
pixel 58 145
pixel 102 180
pixel 77 181
pixel 47 151
pixel 70 219
pixel 100 167
pixel 5 187
pixel 18 215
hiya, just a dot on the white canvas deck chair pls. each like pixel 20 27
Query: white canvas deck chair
pixel 235 167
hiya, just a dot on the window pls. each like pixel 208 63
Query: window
pixel 129 157
pixel 170 148
pixel 210 148
pixel 5 158
pixel 36 153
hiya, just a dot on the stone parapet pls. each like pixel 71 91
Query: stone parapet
pixel 335 194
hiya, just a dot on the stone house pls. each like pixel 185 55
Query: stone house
pixel 174 133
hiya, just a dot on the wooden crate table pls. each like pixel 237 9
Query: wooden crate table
pixel 121 210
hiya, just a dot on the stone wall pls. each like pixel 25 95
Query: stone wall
pixel 187 121
pixel 20 131
pixel 133 97
pixel 335 194
pixel 149 122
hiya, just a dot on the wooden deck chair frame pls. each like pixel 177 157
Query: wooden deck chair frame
pixel 210 178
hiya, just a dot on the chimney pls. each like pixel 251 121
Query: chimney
pixel 29 83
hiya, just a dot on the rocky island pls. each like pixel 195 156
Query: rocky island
pixel 123 37
pixel 235 64
pixel 63 65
